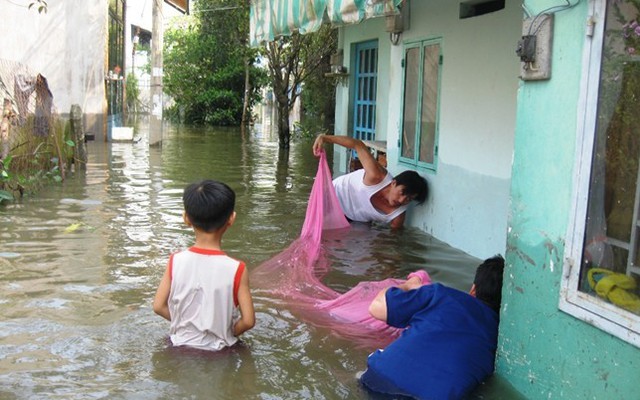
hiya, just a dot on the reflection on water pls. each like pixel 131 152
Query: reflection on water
pixel 80 262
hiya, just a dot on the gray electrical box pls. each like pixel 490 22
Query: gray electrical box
pixel 534 49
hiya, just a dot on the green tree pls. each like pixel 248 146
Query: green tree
pixel 292 60
pixel 206 62
pixel 318 99
pixel 132 93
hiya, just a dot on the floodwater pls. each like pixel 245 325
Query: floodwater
pixel 80 263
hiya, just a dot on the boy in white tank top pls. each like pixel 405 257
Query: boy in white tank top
pixel 204 293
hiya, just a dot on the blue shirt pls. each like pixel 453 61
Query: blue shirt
pixel 447 349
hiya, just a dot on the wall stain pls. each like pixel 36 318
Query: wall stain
pixel 604 375
pixel 521 255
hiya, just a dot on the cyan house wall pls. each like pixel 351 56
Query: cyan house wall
pixel 543 352
pixel 470 189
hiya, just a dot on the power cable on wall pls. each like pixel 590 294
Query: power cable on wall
pixel 545 14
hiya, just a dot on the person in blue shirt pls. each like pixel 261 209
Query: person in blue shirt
pixel 450 340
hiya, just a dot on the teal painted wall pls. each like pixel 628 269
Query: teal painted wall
pixel 543 352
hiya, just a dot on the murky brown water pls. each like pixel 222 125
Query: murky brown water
pixel 79 265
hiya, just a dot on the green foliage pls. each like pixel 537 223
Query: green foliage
pixel 34 161
pixel 5 178
pixel 318 95
pixel 293 61
pixel 307 129
pixel 204 64
pixel 143 47
pixel 132 93
pixel 5 196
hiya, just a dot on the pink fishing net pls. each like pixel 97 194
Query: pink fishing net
pixel 296 274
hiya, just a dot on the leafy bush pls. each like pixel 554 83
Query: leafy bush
pixel 33 160
pixel 205 65
pixel 133 93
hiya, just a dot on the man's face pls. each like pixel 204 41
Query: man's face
pixel 398 196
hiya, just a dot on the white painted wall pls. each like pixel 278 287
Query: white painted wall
pixel 469 198
pixel 66 45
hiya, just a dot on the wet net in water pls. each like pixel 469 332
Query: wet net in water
pixel 296 274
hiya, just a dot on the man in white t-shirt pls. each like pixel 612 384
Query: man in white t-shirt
pixel 372 193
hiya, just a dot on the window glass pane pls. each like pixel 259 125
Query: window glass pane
pixel 367 110
pixel 365 117
pixel 610 243
pixel 372 89
pixel 412 72
pixel 429 102
pixel 365 87
pixel 374 57
pixel 365 61
pixel 373 122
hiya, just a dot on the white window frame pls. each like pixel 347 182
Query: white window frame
pixel 584 306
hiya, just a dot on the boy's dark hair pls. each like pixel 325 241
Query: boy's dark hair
pixel 488 281
pixel 414 185
pixel 208 204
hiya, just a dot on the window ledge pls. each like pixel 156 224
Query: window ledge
pixel 601 315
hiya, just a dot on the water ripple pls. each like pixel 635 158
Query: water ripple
pixel 80 263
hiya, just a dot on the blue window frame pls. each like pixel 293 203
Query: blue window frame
pixel 422 66
pixel 366 80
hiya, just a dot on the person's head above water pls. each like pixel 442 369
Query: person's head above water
pixel 208 204
pixel 488 282
pixel 415 186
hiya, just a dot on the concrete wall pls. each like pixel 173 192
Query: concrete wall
pixel 543 352
pixel 470 189
pixel 67 45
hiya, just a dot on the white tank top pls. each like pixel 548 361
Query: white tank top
pixel 203 298
pixel 355 198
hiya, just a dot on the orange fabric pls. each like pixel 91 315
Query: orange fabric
pixel 236 283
